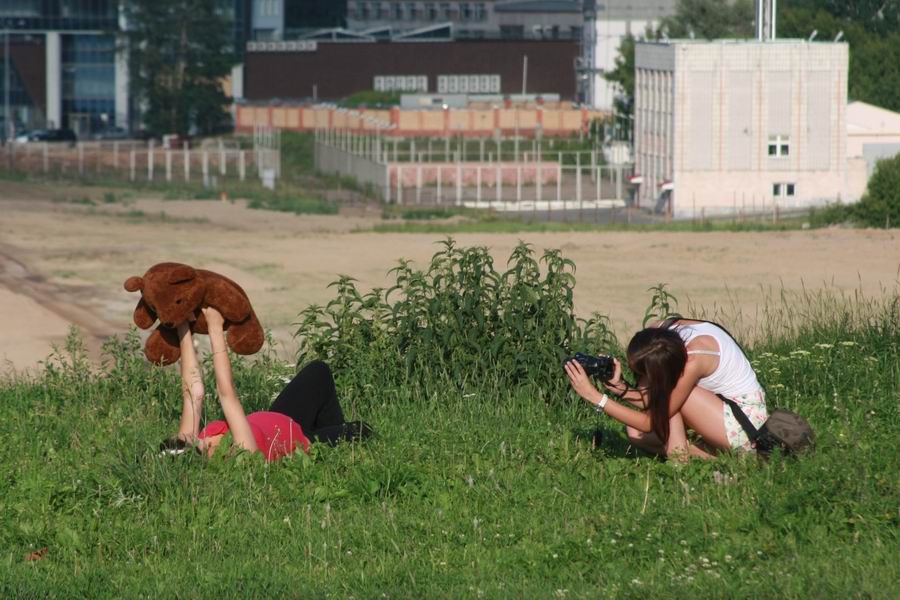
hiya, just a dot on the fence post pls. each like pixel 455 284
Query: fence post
pixel 150 154
pixel 168 165
pixel 458 184
pixel 116 156
pixel 578 181
pixel 593 162
pixel 559 176
pixel 205 168
pixel 223 164
pixel 242 165
pixel 597 180
pixel 133 165
pixel 399 185
pixel 439 178
pixel 498 183
pixel 480 149
pixel 186 163
pixel 539 182
pixel 478 185
pixel 80 147
pixel 518 185
pixel 418 183
pixel 619 182
pixel 46 159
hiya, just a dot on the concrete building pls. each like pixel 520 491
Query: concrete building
pixel 511 19
pixel 741 124
pixel 873 133
pixel 606 24
pixel 68 67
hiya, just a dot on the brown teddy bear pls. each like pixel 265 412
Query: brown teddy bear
pixel 172 292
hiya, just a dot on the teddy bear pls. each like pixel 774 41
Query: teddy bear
pixel 173 292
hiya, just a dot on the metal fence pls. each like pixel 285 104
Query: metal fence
pixel 500 174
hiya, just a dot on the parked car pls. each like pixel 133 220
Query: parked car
pixel 52 135
pixel 112 134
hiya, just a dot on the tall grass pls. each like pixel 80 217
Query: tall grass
pixel 479 484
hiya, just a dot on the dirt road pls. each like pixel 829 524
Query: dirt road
pixel 64 262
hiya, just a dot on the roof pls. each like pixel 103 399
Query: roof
pixel 863 118
pixel 540 6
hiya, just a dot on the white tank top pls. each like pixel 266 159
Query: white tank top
pixel 734 376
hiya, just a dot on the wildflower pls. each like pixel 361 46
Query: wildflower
pixel 848 344
pixel 636 581
pixel 800 353
pixel 824 346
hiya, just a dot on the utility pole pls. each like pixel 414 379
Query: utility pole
pixel 7 124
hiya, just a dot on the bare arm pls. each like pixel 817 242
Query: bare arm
pixel 191 386
pixel 228 398
pixel 640 420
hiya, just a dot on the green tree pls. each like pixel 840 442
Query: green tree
pixel 180 51
pixel 711 19
pixel 623 77
pixel 880 206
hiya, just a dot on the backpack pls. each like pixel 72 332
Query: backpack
pixel 784 429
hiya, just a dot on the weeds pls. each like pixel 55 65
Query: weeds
pixel 459 320
pixel 474 486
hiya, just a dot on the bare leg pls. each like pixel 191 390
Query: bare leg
pixel 701 412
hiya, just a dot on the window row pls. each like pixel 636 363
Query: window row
pixel 419 11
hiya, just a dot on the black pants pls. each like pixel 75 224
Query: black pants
pixel 310 399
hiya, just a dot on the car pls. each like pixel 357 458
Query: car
pixel 112 134
pixel 53 135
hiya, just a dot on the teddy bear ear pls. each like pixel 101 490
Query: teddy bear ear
pixel 133 284
pixel 181 273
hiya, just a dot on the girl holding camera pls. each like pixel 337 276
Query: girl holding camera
pixel 682 369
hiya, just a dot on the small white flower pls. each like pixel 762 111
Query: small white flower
pixel 848 343
pixel 824 346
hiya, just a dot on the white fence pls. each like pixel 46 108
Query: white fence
pixel 139 161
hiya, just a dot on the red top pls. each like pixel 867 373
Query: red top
pixel 276 435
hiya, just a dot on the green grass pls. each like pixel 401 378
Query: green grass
pixel 485 222
pixel 473 488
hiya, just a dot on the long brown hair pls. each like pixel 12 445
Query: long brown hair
pixel 657 356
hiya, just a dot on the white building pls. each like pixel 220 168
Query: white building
pixel 604 29
pixel 736 125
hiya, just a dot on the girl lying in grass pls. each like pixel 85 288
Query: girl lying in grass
pixel 307 409
pixel 682 367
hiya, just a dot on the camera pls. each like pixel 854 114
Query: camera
pixel 602 367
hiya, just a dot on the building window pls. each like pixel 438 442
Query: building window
pixel 465 11
pixel 783 190
pixel 446 11
pixel 412 11
pixel 363 10
pixel 431 11
pixel 779 145
pixel 480 12
pixel 397 11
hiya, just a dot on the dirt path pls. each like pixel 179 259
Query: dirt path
pixel 63 262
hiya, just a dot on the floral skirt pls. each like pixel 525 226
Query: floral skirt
pixel 754 406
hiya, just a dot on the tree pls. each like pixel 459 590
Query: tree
pixel 880 206
pixel 180 51
pixel 622 76
pixel 711 19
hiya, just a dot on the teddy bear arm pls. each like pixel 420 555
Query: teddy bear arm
pixel 144 317
pixel 246 338
pixel 162 348
pixel 228 300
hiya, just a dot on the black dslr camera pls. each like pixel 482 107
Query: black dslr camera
pixel 602 367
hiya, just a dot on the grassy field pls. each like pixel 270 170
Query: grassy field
pixel 482 482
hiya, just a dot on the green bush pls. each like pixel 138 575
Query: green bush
pixel 880 206
pixel 459 320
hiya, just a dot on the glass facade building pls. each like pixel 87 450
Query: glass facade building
pixel 64 70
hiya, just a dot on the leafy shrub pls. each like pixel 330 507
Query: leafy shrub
pixel 458 322
pixel 880 206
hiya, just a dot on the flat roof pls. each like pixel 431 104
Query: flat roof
pixel 736 42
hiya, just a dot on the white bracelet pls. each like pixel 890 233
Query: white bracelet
pixel 600 405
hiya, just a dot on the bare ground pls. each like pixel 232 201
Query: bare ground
pixel 64 262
